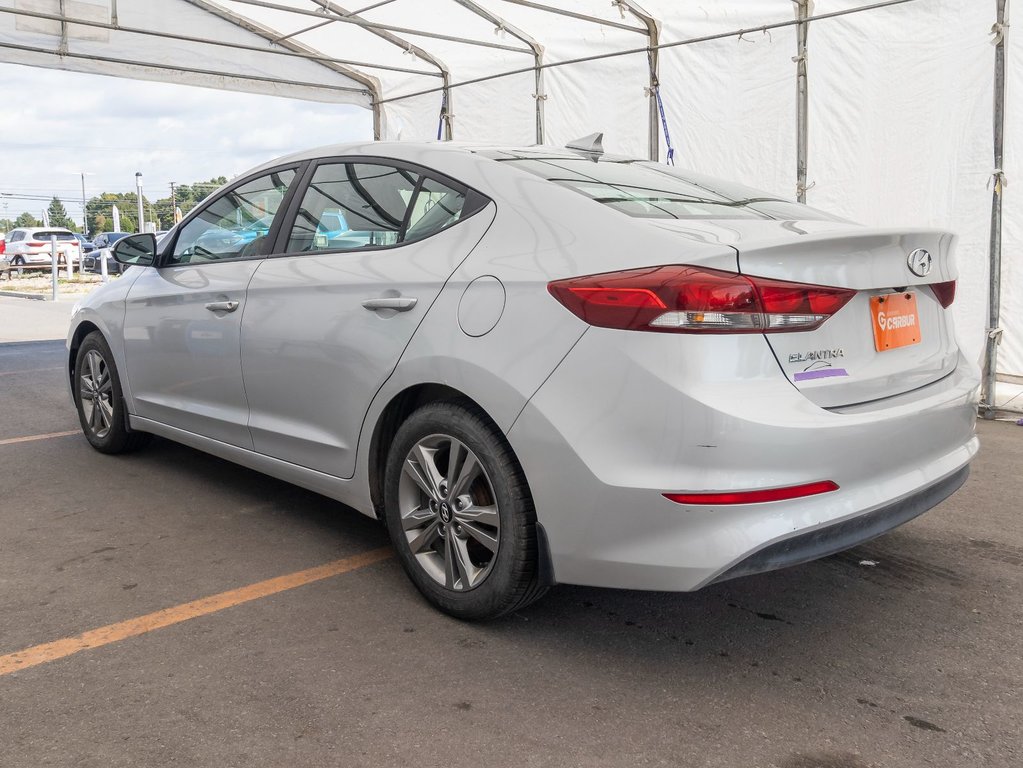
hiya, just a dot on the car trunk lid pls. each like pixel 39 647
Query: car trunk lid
pixel 893 336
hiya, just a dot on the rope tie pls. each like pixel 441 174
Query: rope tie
pixel 999 179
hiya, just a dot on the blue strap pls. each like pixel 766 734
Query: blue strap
pixel 664 124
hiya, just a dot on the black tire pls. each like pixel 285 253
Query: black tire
pixel 105 423
pixel 19 263
pixel 510 579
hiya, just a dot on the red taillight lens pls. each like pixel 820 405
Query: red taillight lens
pixel 945 293
pixel 687 299
pixel 755 497
pixel 35 243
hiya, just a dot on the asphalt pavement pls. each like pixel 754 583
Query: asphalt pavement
pixel 905 652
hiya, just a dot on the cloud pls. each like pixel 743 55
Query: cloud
pixel 55 124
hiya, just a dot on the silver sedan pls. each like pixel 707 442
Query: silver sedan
pixel 543 365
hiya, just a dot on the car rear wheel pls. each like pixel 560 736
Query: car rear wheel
pixel 460 515
pixel 100 401
pixel 18 262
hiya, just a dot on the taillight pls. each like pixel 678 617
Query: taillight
pixel 688 299
pixel 945 293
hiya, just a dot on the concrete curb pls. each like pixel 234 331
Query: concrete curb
pixel 19 295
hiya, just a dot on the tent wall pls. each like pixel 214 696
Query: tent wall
pixel 899 108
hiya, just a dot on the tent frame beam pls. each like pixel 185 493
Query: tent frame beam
pixel 652 29
pixel 372 84
pixel 537 50
pixel 802 97
pixel 993 334
pixel 372 25
pixel 298 54
pixel 342 14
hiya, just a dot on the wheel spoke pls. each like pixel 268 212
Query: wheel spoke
pixel 88 406
pixel 450 563
pixel 487 515
pixel 105 384
pixel 467 572
pixel 422 468
pixel 106 412
pixel 467 472
pixel 425 538
pixel 93 373
pixel 417 518
pixel 488 540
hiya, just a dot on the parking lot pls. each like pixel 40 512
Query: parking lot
pixel 905 652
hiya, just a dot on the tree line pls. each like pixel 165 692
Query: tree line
pixel 99 209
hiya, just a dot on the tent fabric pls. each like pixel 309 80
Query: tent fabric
pixel 900 97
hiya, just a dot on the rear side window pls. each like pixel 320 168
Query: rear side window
pixel 435 208
pixel 45 234
pixel 349 206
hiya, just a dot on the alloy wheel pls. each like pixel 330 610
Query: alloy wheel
pixel 96 393
pixel 448 512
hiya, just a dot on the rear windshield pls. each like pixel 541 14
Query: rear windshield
pixel 44 234
pixel 647 190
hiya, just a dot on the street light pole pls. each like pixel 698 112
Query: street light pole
pixel 85 218
pixel 138 192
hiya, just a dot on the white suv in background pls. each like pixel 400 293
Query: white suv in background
pixel 31 245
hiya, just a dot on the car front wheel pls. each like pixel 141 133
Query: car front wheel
pixel 460 514
pixel 99 398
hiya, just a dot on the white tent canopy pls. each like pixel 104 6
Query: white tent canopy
pixel 896 127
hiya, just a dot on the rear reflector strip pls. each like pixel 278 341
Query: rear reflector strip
pixel 754 497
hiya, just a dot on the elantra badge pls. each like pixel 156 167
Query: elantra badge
pixel 920 262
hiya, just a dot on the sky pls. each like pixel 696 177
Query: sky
pixel 54 125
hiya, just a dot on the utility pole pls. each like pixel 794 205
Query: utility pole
pixel 174 205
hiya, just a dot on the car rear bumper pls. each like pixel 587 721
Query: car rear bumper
pixel 829 539
pixel 623 421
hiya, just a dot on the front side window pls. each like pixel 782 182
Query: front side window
pixel 236 224
pixel 349 206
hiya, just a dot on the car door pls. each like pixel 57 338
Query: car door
pixel 183 319
pixel 368 247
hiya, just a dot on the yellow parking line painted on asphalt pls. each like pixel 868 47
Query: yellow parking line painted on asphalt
pixel 33 370
pixel 95 638
pixel 30 438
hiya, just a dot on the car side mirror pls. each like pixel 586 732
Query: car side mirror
pixel 139 250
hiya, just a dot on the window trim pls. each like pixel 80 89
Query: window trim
pixel 475 201
pixel 300 169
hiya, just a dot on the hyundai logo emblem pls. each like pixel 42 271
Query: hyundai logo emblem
pixel 920 262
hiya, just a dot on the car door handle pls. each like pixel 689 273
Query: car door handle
pixel 397 303
pixel 222 306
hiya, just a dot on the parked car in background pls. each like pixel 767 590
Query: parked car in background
pixel 30 246
pixel 543 365
pixel 92 262
pixel 85 244
pixel 107 239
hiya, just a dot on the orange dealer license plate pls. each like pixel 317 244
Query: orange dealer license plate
pixel 895 320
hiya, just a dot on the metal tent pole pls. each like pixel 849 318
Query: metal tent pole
pixel 994 332
pixel 653 31
pixel 802 98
